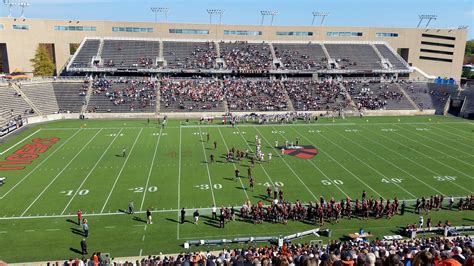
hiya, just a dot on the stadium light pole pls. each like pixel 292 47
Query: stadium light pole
pixel 268 13
pixel 23 5
pixel 212 12
pixel 323 15
pixel 428 17
pixel 10 5
pixel 157 10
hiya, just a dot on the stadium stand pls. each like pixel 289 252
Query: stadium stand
pixel 255 95
pixel 189 55
pixel 123 95
pixel 354 56
pixel 42 95
pixel 130 53
pixel 85 54
pixel 396 61
pixel 70 96
pixel 376 96
pixel 188 95
pixel 430 95
pixel 300 56
pixel 246 57
pixel 12 104
pixel 308 95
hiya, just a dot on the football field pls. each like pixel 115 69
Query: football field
pixel 53 170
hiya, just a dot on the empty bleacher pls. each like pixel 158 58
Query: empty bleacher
pixel 86 53
pixel 430 95
pixel 189 55
pixel 12 104
pixel 300 56
pixel 69 96
pixel 388 54
pixel 354 56
pixel 42 96
pixel 130 53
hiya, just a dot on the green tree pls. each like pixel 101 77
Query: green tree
pixel 466 72
pixel 469 48
pixel 42 64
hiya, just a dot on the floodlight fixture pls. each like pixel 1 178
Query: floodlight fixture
pixel 323 16
pixel 157 10
pixel 10 5
pixel 213 12
pixel 265 13
pixel 463 27
pixel 23 5
pixel 427 17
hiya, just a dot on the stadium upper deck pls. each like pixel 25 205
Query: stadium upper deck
pixel 436 52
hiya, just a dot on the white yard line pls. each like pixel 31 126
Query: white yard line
pixel 441 143
pixel 415 162
pixel 151 169
pixel 457 135
pixel 39 165
pixel 448 139
pixel 16 144
pixel 437 151
pixel 342 166
pixel 289 167
pixel 90 172
pixel 263 168
pixel 324 174
pixel 368 165
pixel 227 148
pixel 121 170
pixel 207 167
pixel 59 174
pixel 179 185
pixel 382 157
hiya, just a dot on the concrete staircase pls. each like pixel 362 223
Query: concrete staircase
pixel 158 97
pixel 32 105
pixel 88 97
pixel 384 62
pixel 415 106
pixel 348 96
pixel 330 60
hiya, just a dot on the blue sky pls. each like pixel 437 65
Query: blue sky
pixel 399 13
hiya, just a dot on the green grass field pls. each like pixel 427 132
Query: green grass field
pixel 167 169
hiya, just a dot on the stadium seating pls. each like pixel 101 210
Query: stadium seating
pixel 188 95
pixel 430 95
pixel 307 95
pixel 246 57
pixel 300 56
pixel 86 53
pixel 12 104
pixel 70 96
pixel 255 95
pixel 42 95
pixel 130 53
pixel 354 56
pixel 390 56
pixel 376 96
pixel 123 96
pixel 189 55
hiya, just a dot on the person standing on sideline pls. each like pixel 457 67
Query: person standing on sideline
pixel 79 217
pixel 208 137
pixel 148 121
pixel 124 154
pixel 196 217
pixel 269 157
pixel 421 222
pixel 214 212
pixel 148 216
pixel 221 220
pixel 183 215
pixel 84 246
pixel 215 145
pixel 402 210
pixel 85 228
pixel 130 207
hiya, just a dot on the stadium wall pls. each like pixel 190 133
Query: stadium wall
pixel 438 52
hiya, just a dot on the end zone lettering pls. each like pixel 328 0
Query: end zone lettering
pixel 27 154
